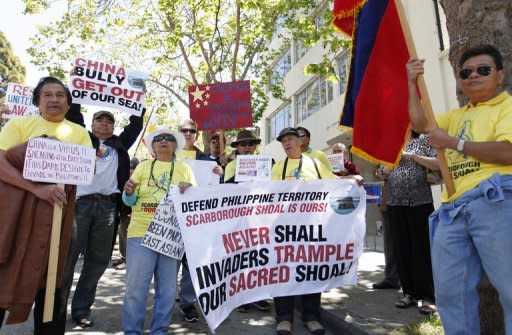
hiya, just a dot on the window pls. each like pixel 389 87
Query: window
pixel 343 67
pixel 281 68
pixel 316 95
pixel 280 120
pixel 300 50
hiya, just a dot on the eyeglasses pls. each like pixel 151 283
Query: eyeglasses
pixel 188 130
pixel 483 70
pixel 247 144
pixel 164 137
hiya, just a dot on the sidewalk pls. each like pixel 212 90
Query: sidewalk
pixel 361 309
pixel 354 310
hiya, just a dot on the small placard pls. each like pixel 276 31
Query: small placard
pixel 253 167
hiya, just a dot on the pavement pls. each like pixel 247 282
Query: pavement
pixel 348 310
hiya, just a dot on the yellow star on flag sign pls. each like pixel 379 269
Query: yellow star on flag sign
pixel 197 94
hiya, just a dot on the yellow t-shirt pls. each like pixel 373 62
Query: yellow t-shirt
pixel 186 154
pixel 230 170
pixel 151 188
pixel 307 171
pixel 490 121
pixel 320 156
pixel 22 129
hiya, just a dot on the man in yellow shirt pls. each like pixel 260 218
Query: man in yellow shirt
pixel 298 166
pixel 471 230
pixel 305 136
pixel 53 100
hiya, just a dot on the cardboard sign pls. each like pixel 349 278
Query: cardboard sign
pixel 107 85
pixel 337 162
pixel 253 167
pixel 19 101
pixel 52 161
pixel 221 105
pixel 163 234
pixel 254 241
pixel 203 172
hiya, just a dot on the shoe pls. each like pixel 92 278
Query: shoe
pixel 315 327
pixel 243 308
pixel 262 305
pixel 427 307
pixel 190 314
pixel 117 262
pixel 383 285
pixel 406 302
pixel 83 321
pixel 121 266
pixel 284 328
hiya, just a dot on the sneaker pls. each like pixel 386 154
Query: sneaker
pixel 190 314
pixel 120 266
pixel 262 305
pixel 284 328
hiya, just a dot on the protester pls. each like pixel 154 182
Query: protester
pixel 188 128
pixel 298 166
pixel 349 167
pixel 124 221
pixel 391 278
pixel 245 144
pixel 215 153
pixel 471 230
pixel 409 201
pixel 143 191
pixel 305 137
pixel 98 207
pixel 17 289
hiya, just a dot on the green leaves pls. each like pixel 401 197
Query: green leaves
pixel 11 69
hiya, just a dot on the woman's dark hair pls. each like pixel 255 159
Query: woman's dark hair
pixel 36 94
pixel 484 49
pixel 414 134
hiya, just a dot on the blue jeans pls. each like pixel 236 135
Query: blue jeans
pixel 470 234
pixel 187 294
pixel 95 221
pixel 141 265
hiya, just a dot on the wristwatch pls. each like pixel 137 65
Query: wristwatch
pixel 460 145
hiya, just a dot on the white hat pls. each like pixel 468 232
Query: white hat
pixel 148 139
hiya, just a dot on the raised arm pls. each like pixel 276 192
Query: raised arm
pixel 419 121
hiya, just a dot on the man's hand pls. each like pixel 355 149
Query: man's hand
pixel 51 193
pixel 414 68
pixel 218 170
pixel 129 187
pixel 183 186
pixel 440 139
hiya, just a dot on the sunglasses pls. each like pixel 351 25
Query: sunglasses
pixel 164 137
pixel 247 144
pixel 188 130
pixel 483 70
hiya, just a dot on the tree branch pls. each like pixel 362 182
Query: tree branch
pixel 170 89
pixel 237 41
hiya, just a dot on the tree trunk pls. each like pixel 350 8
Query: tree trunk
pixel 469 23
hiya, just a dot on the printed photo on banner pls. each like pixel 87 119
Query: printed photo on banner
pixel 253 167
pixel 108 85
pixel 337 162
pixel 203 171
pixel 266 239
pixel 19 101
pixel 163 234
pixel 52 161
pixel 221 105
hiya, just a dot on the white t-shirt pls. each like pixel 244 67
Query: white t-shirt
pixel 105 178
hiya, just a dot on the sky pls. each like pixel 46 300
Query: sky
pixel 18 28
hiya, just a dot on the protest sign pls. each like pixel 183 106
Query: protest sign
pixel 107 85
pixel 264 239
pixel 203 172
pixel 19 101
pixel 221 105
pixel 337 162
pixel 253 167
pixel 163 233
pixel 52 161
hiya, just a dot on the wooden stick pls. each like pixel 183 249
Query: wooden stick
pixel 425 99
pixel 51 277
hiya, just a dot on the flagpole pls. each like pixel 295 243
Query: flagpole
pixel 144 131
pixel 425 99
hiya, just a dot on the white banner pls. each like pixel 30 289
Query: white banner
pixel 52 161
pixel 107 85
pixel 253 167
pixel 19 101
pixel 253 241
pixel 163 234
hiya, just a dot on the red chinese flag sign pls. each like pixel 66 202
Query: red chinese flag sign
pixel 221 105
